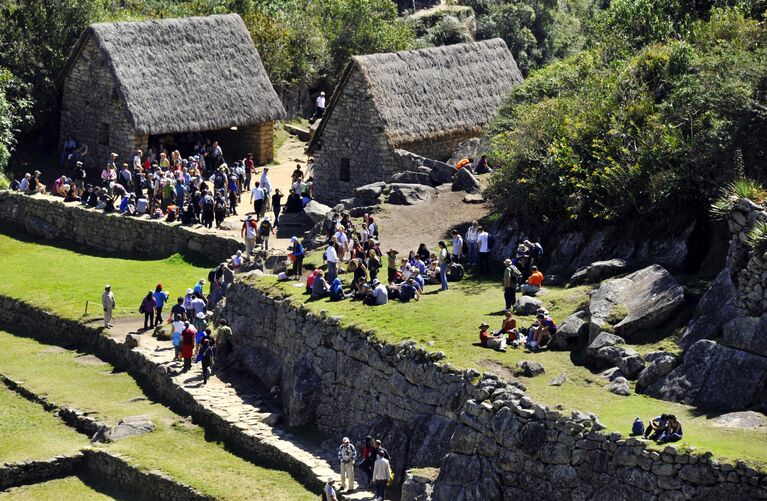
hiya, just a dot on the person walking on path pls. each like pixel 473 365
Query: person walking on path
pixel 381 476
pixel 330 490
pixel 277 206
pixel 148 305
pixel 187 345
pixel 444 262
pixel 266 185
pixel 347 455
pixel 223 341
pixel 257 199
pixel 178 327
pixel 249 232
pixel 160 297
pixel 207 354
pixel 108 303
pixel 265 230
pixel 511 276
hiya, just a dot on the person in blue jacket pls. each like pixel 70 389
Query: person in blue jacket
pixel 160 297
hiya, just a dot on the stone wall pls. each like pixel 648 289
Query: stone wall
pixel 257 139
pixel 30 472
pixel 91 106
pixel 502 445
pixel 52 219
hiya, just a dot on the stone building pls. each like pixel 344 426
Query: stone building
pixel 423 101
pixel 134 84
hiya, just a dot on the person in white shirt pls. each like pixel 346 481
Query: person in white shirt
pixel 320 105
pixel 331 255
pixel 266 185
pixel 108 303
pixel 457 246
pixel 471 241
pixel 137 161
pixel 381 475
pixel 249 234
pixel 343 242
pixel 380 294
pixel 330 491
pixel 483 247
pixel 257 197
pixel 24 185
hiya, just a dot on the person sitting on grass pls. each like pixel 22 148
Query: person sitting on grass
pixel 545 328
pixel 533 285
pixel 655 427
pixel 337 290
pixel 509 329
pixel 494 341
pixel 672 432
pixel 378 296
pixel 310 280
pixel 320 287
pixel 408 291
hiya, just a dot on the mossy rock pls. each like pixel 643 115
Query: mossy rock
pixel 617 314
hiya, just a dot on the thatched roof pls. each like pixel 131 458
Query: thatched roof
pixel 185 75
pixel 427 93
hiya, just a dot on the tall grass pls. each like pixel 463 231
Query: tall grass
pixel 734 191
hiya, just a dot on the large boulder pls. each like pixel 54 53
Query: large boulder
pixel 598 271
pixel 410 194
pixel 465 181
pixel 467 149
pixel 631 364
pixel 644 299
pixel 126 427
pixel 529 368
pixel 566 337
pixel 441 173
pixel 316 211
pixel 527 305
pixel 659 367
pixel 715 308
pixel 412 177
pixel 716 377
pixel 369 194
pixel 619 386
pixel 747 334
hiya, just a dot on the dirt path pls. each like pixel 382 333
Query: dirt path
pixel 403 227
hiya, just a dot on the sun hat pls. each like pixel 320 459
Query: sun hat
pixel 345 440
pixel 107 287
pixel 483 325
pixel 202 281
pixel 189 290
pixel 507 261
pixel 200 315
pixel 375 282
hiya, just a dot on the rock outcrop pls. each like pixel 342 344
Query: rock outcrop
pixel 598 271
pixel 644 299
pixel 410 194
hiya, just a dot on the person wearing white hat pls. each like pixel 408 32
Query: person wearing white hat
pixel 249 233
pixel 330 491
pixel 320 102
pixel 347 454
pixel 108 303
pixel 198 288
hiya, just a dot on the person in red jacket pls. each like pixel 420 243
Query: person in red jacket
pixel 187 345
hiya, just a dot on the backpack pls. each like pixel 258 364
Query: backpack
pixel 537 250
pixel 516 274
pixel 490 241
pixel 638 427
pixel 15 185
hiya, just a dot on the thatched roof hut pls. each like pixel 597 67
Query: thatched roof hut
pixel 425 101
pixel 174 76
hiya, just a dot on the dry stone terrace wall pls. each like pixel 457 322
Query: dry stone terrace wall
pixel 502 444
pixel 52 219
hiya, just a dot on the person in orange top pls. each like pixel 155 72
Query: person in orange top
pixel 533 285
pixel 509 328
pixel 463 163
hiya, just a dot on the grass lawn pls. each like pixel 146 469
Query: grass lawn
pixel 62 279
pixel 176 447
pixel 29 432
pixel 449 321
pixel 55 490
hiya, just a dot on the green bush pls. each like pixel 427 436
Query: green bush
pixel 654 132
pixel 449 30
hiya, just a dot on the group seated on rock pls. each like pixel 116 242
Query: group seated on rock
pixel 535 337
pixel 663 429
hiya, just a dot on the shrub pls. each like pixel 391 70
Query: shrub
pixel 734 191
pixel 757 236
pixel 449 30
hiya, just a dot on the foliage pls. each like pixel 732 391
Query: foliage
pixel 449 30
pixel 735 190
pixel 7 126
pixel 536 31
pixel 617 313
pixel 757 236
pixel 597 137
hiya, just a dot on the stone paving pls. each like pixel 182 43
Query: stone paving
pixel 240 402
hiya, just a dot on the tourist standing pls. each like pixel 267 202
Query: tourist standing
pixel 223 341
pixel 266 185
pixel 108 303
pixel 320 102
pixel 187 345
pixel 265 230
pixel 511 275
pixel 444 259
pixel 206 358
pixel 277 206
pixel 381 476
pixel 472 234
pixel 347 454
pixel 331 256
pixel 257 199
pixel 178 328
pixel 148 304
pixel 457 246
pixel 483 247
pixel 298 257
pixel 160 297
pixel 249 233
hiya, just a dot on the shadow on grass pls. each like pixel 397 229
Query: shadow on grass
pixel 186 257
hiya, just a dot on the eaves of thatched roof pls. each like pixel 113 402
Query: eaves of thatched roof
pixel 185 75
pixel 429 93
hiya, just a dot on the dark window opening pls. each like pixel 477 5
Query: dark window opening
pixel 345 171
pixel 103 134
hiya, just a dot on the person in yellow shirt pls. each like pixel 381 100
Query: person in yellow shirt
pixel 533 285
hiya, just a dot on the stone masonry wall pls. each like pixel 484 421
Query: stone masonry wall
pixel 90 98
pixel 440 148
pixel 353 131
pixel 503 445
pixel 52 219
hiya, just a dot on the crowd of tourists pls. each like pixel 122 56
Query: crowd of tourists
pixel 374 462
pixel 163 184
